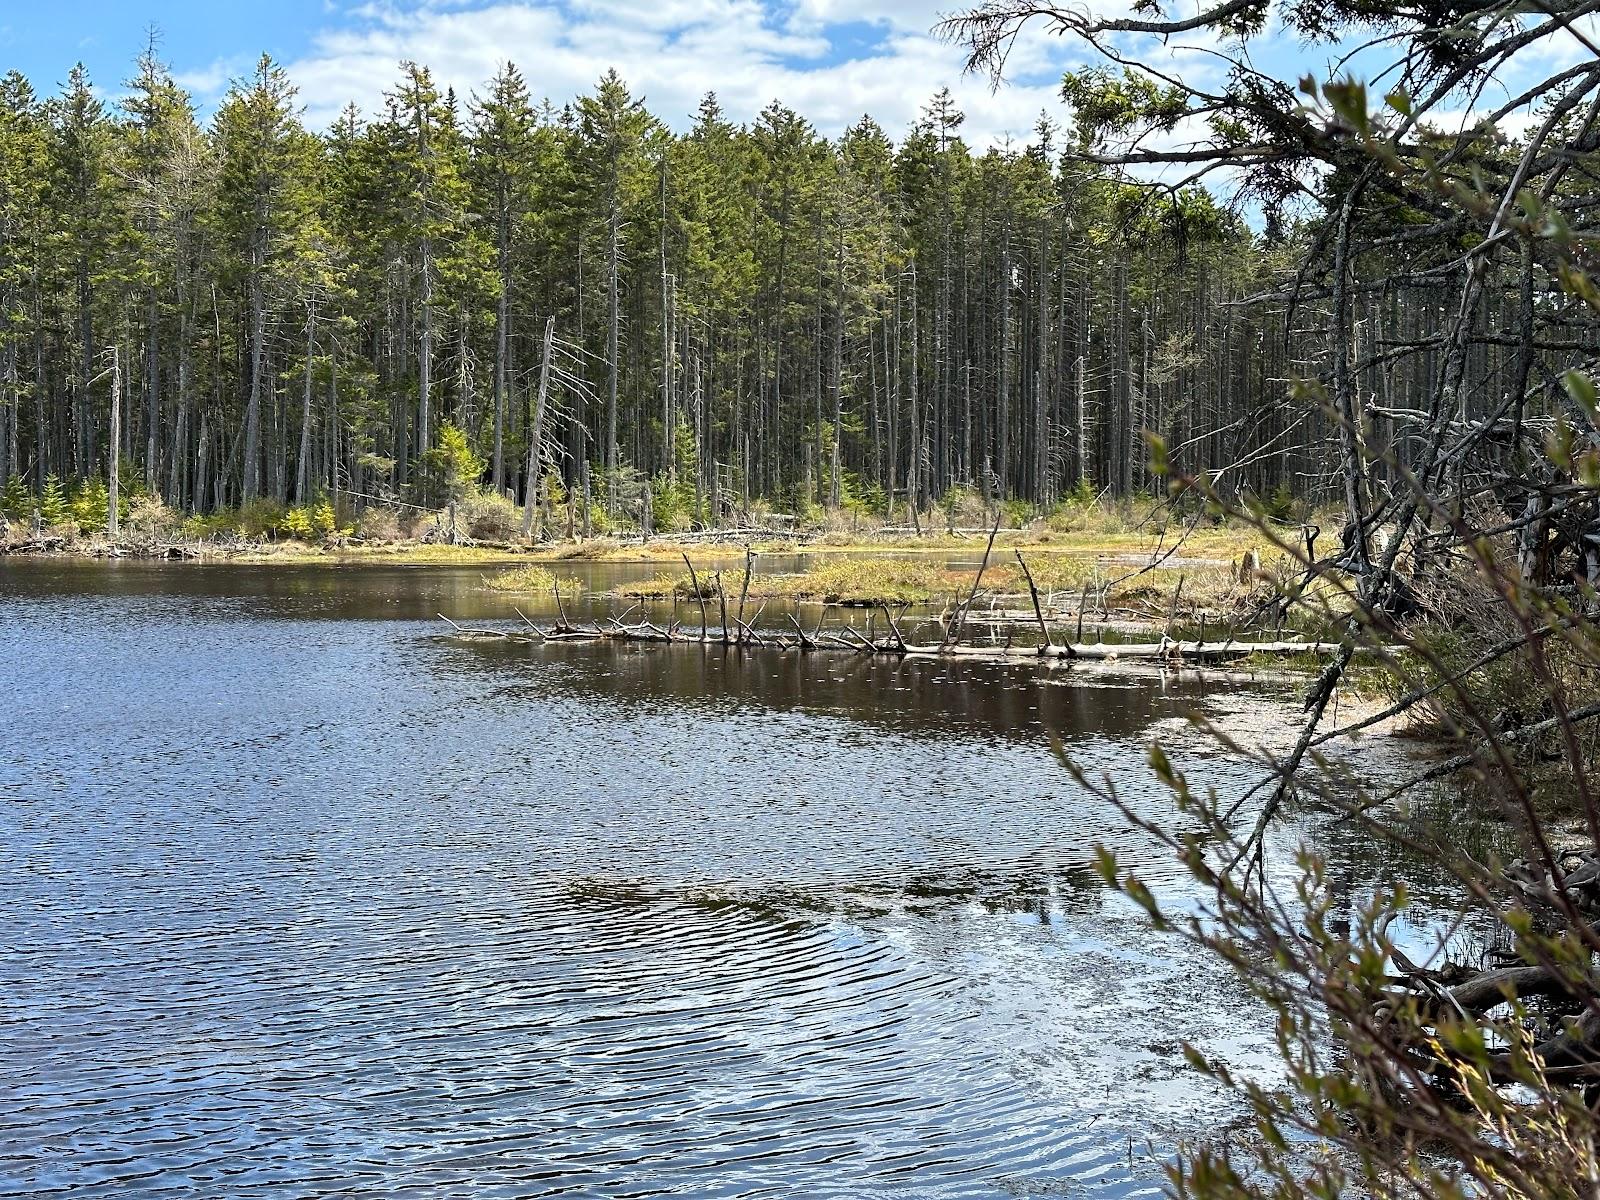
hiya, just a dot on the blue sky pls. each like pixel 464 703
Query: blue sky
pixel 831 60
pixel 43 40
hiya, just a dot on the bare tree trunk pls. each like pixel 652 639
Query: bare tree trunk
pixel 425 352
pixel 502 350
pixel 612 318
pixel 251 481
pixel 530 509
pixel 1344 387
pixel 668 422
pixel 1041 384
pixel 1003 405
pixel 114 461
pixel 152 410
pixel 178 482
pixel 837 483
pixel 81 440
pixel 41 435
pixel 301 476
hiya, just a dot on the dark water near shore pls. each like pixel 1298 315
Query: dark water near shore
pixel 298 898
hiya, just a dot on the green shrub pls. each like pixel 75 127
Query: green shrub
pixel 149 516
pixel 486 517
pixel 672 505
pixel 308 522
pixel 15 502
pixel 452 468
pixel 1281 504
pixel 90 504
pixel 261 517
pixel 204 526
pixel 859 498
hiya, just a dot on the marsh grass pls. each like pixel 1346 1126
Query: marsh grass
pixel 1210 592
pixel 667 586
pixel 530 578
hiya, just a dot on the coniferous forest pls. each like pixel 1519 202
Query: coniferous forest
pixel 245 308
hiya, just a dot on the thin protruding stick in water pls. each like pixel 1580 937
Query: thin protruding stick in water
pixel 1038 610
pixel 694 580
pixel 961 618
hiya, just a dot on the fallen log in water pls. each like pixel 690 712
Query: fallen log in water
pixel 1530 990
pixel 852 641
pixel 734 630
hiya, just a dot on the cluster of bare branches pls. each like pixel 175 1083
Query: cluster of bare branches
pixel 1468 455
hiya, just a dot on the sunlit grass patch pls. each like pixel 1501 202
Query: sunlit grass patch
pixel 522 579
pixel 869 580
pixel 666 586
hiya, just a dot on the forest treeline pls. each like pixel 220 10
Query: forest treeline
pixel 245 308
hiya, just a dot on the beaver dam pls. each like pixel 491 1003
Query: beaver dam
pixel 737 625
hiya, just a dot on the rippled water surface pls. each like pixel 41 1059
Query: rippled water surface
pixel 302 899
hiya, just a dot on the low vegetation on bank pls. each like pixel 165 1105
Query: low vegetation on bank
pixel 1133 560
pixel 1251 588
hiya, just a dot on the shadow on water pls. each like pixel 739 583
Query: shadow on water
pixel 298 898
pixel 923 696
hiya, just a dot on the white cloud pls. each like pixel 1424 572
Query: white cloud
pixel 211 81
pixel 830 60
pixel 672 52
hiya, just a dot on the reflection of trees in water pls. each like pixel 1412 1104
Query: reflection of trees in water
pixel 915 695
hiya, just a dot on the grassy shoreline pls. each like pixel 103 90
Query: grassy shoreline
pixel 1213 543
pixel 1141 573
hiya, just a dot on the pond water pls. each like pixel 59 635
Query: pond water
pixel 301 898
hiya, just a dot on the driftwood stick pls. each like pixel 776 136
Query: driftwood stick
pixel 722 599
pixel 539 632
pixel 1172 613
pixel 744 591
pixel 977 582
pixel 894 628
pixel 1038 610
pixel 805 642
pixel 561 609
pixel 849 638
pixel 694 580
pixel 866 646
pixel 464 630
